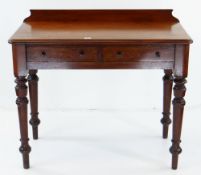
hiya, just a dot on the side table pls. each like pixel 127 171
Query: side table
pixel 101 39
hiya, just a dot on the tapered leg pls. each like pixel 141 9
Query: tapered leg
pixel 167 93
pixel 22 101
pixel 33 93
pixel 178 107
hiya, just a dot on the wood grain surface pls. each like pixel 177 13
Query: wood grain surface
pixel 100 26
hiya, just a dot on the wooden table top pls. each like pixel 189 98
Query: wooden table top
pixel 97 26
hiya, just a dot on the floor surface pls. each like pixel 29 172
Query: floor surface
pixel 100 142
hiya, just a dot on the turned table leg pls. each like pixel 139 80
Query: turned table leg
pixel 33 93
pixel 22 101
pixel 178 107
pixel 167 93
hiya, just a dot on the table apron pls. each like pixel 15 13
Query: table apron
pixel 148 56
pixel 100 65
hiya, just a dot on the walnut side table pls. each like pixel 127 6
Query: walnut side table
pixel 100 39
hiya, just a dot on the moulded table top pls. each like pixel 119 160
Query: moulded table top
pixel 100 26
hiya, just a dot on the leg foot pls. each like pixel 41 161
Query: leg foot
pixel 25 150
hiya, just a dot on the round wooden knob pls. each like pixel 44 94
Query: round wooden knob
pixel 119 54
pixel 43 53
pixel 158 54
pixel 82 53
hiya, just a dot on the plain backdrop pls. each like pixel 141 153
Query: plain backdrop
pixel 105 95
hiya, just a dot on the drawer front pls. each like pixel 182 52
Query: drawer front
pixel 61 54
pixel 138 53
